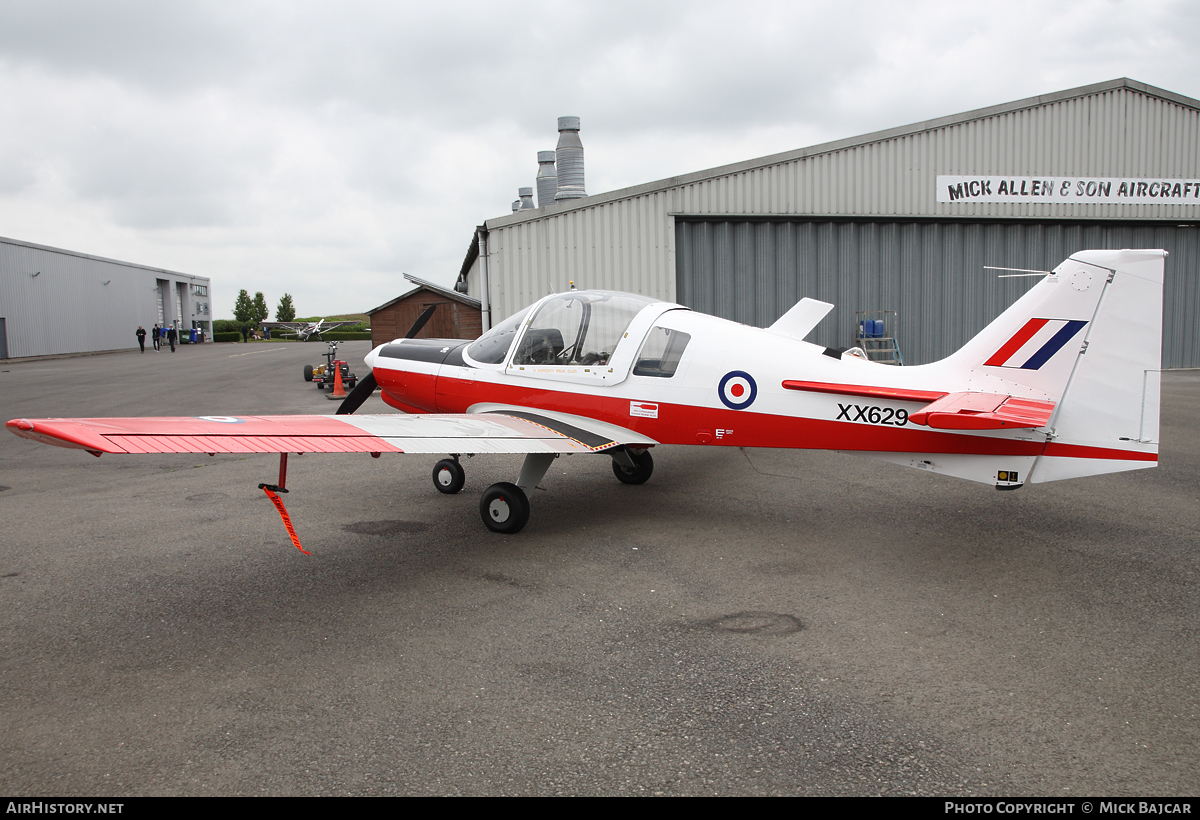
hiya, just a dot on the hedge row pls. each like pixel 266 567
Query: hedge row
pixel 227 337
pixel 347 335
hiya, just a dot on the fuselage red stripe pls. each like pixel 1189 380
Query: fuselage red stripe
pixel 1059 449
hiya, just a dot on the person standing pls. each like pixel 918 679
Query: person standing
pixel 141 337
pixel 155 336
pixel 172 336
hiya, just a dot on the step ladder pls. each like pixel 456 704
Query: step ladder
pixel 875 334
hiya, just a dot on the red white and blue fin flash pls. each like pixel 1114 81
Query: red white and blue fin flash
pixel 1036 343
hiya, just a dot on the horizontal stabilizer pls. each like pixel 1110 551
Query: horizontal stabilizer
pixel 801 319
pixel 983 411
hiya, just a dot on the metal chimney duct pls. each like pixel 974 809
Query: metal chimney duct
pixel 516 205
pixel 547 179
pixel 526 199
pixel 569 159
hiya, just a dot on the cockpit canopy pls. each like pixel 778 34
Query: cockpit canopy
pixel 578 328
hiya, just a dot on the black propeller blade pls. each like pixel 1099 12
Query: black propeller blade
pixel 361 392
pixel 366 386
pixel 420 323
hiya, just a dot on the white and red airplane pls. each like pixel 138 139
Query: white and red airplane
pixel 308 330
pixel 1065 383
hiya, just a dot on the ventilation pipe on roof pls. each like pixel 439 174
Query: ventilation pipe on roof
pixel 485 294
pixel 547 179
pixel 516 205
pixel 569 159
pixel 526 199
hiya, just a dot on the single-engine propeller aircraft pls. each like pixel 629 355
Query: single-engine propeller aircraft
pixel 1065 383
pixel 310 330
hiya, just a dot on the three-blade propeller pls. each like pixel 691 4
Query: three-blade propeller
pixel 366 386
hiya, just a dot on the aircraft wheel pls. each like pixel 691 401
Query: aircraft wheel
pixel 308 372
pixel 640 475
pixel 504 508
pixel 449 476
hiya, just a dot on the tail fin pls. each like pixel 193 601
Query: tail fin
pixel 1088 338
pixel 1107 418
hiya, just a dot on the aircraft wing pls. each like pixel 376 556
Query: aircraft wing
pixel 392 433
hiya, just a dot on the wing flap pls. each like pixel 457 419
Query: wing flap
pixel 596 436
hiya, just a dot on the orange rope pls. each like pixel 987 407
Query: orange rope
pixel 287 522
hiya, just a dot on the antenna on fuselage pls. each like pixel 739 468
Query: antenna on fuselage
pixel 1020 272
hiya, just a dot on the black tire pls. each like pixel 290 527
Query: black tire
pixel 308 372
pixel 321 385
pixel 449 476
pixel 350 384
pixel 504 508
pixel 641 474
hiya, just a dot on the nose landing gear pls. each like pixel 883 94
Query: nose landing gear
pixel 632 466
pixel 449 476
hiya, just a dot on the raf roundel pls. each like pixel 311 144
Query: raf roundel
pixel 737 390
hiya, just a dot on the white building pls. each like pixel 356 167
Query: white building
pixel 54 301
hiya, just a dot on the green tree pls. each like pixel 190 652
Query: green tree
pixel 285 312
pixel 260 308
pixel 243 308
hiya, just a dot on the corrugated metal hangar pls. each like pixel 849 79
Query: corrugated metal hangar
pixel 900 220
pixel 54 301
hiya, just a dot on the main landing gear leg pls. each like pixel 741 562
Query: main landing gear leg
pixel 504 507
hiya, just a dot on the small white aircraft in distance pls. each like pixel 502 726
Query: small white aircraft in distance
pixel 306 330
pixel 1065 383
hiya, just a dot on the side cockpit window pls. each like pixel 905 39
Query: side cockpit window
pixel 661 353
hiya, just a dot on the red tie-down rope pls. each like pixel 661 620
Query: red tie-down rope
pixel 271 490
pixel 287 522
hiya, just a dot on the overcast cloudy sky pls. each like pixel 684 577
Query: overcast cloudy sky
pixel 324 148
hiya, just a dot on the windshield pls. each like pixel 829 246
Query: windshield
pixel 492 347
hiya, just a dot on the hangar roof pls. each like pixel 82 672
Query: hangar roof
pixel 421 284
pixel 843 145
pixel 21 243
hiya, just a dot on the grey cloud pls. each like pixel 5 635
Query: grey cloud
pixel 312 142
